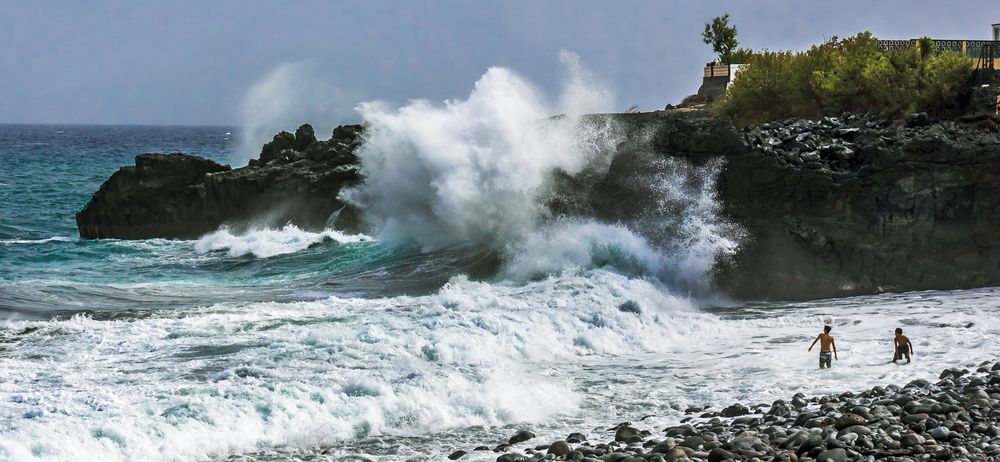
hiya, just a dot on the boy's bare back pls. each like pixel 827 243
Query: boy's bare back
pixel 825 341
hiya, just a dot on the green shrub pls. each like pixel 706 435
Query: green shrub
pixel 849 75
pixel 771 85
pixel 945 75
pixel 740 56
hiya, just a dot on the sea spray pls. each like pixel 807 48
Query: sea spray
pixel 468 171
pixel 686 222
pixel 473 171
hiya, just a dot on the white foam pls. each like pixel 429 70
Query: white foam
pixel 468 171
pixel 39 241
pixel 228 378
pixel 264 243
pixel 581 244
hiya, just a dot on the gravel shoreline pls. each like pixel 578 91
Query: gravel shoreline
pixel 956 418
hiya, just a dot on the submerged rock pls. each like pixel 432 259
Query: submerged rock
pixel 630 306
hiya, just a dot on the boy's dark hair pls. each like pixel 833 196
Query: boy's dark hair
pixel 827 329
pixel 899 330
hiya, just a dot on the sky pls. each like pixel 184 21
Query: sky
pixel 227 62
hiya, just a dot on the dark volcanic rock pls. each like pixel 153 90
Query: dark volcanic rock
pixel 560 448
pixel 827 208
pixel 735 410
pixel 630 306
pixel 895 209
pixel 520 437
pixel 178 196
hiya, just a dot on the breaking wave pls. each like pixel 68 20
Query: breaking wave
pixel 470 171
pixel 264 243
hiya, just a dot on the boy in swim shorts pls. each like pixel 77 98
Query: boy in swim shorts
pixel 826 344
pixel 903 346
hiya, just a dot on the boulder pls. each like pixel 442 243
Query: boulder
pixel 735 410
pixel 719 455
pixel 832 455
pixel 513 457
pixel 560 448
pixel 626 433
pixel 520 437
pixel 848 420
pixel 675 454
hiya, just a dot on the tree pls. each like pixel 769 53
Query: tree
pixel 722 37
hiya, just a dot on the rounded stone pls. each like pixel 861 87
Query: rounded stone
pixel 520 437
pixel 560 448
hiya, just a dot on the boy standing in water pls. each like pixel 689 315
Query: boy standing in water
pixel 903 346
pixel 826 343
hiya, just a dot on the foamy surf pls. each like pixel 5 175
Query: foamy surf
pixel 559 355
pixel 264 243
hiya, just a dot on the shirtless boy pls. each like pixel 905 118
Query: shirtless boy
pixel 826 343
pixel 903 346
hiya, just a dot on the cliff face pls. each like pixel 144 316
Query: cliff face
pixel 177 196
pixel 861 206
pixel 836 207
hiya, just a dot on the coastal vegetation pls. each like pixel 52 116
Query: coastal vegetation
pixel 845 75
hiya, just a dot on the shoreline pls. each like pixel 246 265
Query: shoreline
pixel 955 418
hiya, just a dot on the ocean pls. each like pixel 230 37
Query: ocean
pixel 287 344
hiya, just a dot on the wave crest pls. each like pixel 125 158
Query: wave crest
pixel 264 243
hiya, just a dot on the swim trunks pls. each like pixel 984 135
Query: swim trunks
pixel 825 357
pixel 902 350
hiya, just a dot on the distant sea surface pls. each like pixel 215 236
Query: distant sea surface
pixel 286 344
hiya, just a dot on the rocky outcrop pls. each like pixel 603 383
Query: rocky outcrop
pixel 859 205
pixel 825 208
pixel 837 206
pixel 296 179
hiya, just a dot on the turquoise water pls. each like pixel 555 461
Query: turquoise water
pixel 50 172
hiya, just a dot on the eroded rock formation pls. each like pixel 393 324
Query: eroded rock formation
pixel 296 180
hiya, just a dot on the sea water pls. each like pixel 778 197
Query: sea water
pixel 411 341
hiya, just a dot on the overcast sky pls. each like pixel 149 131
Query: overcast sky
pixel 196 62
